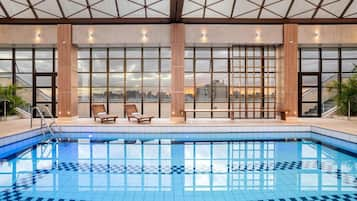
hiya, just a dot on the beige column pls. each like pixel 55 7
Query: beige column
pixel 290 70
pixel 67 72
pixel 177 71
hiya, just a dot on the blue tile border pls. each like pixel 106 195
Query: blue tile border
pixel 331 137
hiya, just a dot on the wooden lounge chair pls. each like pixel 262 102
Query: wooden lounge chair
pixel 99 112
pixel 132 113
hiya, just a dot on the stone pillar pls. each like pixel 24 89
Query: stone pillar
pixel 290 70
pixel 67 72
pixel 177 71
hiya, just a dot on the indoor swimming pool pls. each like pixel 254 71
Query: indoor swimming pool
pixel 158 168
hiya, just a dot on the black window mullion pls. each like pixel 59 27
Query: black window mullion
pixel 229 81
pixel 54 85
pixel 245 83
pixel 299 86
pixel 33 80
pixel 159 93
pixel 211 74
pixel 254 68
pixel 107 83
pixel 124 66
pixel 319 83
pixel 13 66
pixel 262 84
pixel 90 82
pixel 194 81
pixel 142 80
pixel 339 69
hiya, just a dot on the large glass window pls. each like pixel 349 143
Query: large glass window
pixel 31 70
pixel 239 78
pixel 319 67
pixel 118 76
pixel 5 67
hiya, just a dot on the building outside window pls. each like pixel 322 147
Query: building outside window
pixel 118 76
pixel 239 78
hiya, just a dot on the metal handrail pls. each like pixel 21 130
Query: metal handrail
pixel 310 89
pixel 43 119
pixel 5 108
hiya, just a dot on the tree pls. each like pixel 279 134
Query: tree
pixel 7 93
pixel 347 93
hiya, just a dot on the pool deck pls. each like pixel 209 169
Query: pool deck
pixel 11 127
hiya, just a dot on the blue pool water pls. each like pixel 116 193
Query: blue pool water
pixel 177 170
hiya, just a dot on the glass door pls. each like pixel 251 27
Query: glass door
pixel 309 94
pixel 44 93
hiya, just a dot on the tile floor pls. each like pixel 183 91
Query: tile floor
pixel 10 127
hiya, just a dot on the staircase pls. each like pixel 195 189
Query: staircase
pixel 327 106
pixel 28 98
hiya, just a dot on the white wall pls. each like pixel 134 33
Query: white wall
pixel 327 34
pixel 28 34
pixel 216 35
pixel 114 35
pixel 233 34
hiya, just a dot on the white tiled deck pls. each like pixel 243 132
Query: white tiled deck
pixel 11 127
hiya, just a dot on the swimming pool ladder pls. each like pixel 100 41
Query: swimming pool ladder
pixel 44 124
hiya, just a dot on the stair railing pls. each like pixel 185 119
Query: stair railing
pixel 44 124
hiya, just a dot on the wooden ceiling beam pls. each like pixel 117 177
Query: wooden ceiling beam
pixel 346 8
pixel 85 21
pixel 184 20
pixel 117 8
pixel 317 9
pixel 261 9
pixel 32 9
pixel 289 9
pixel 4 10
pixel 61 8
pixel 89 10
pixel 176 7
pixel 233 7
pixel 270 21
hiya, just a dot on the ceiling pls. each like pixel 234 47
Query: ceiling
pixel 187 11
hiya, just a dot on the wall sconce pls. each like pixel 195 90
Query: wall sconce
pixel 257 35
pixel 317 35
pixel 144 36
pixel 204 37
pixel 90 36
pixel 68 112
pixel 38 36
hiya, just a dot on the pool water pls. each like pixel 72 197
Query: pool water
pixel 170 170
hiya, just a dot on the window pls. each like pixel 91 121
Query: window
pixel 118 76
pixel 319 67
pixel 239 78
pixel 27 68
pixel 5 67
